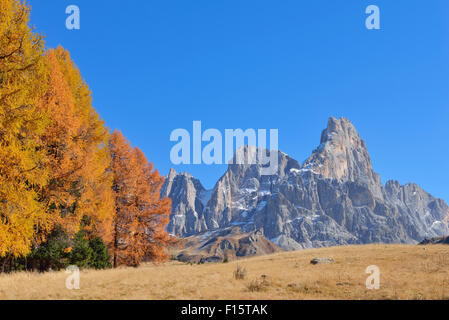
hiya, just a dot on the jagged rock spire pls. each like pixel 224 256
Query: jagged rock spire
pixel 342 154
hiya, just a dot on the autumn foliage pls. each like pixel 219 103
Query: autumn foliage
pixel 141 216
pixel 60 167
pixel 23 170
pixel 76 146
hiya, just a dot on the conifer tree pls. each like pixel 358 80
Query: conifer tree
pixel 79 189
pixel 141 216
pixel 154 212
pixel 23 171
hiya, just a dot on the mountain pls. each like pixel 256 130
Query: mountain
pixel 333 198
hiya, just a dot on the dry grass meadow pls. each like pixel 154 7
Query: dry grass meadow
pixel 407 272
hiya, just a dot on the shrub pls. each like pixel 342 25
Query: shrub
pixel 100 258
pixel 240 273
pixel 82 253
pixel 51 254
pixel 257 285
pixel 59 251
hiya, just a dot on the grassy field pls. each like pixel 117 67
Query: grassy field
pixel 407 272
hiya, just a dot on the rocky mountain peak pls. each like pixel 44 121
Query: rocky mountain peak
pixel 188 201
pixel 342 154
pixel 341 129
pixel 172 174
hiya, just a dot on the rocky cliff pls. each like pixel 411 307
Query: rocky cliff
pixel 333 198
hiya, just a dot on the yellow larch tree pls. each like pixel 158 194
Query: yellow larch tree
pixel 23 170
pixel 79 192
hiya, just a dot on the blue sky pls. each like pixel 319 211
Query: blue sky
pixel 155 66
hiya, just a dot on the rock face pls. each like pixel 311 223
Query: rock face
pixel 189 199
pixel 333 198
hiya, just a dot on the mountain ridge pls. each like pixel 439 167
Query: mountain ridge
pixel 333 198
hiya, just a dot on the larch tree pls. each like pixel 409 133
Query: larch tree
pixel 154 212
pixel 79 190
pixel 23 171
pixel 124 188
pixel 141 215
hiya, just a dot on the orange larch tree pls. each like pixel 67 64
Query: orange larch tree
pixel 154 212
pixel 124 188
pixel 141 216
pixel 79 189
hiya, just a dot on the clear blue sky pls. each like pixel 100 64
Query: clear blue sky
pixel 155 66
